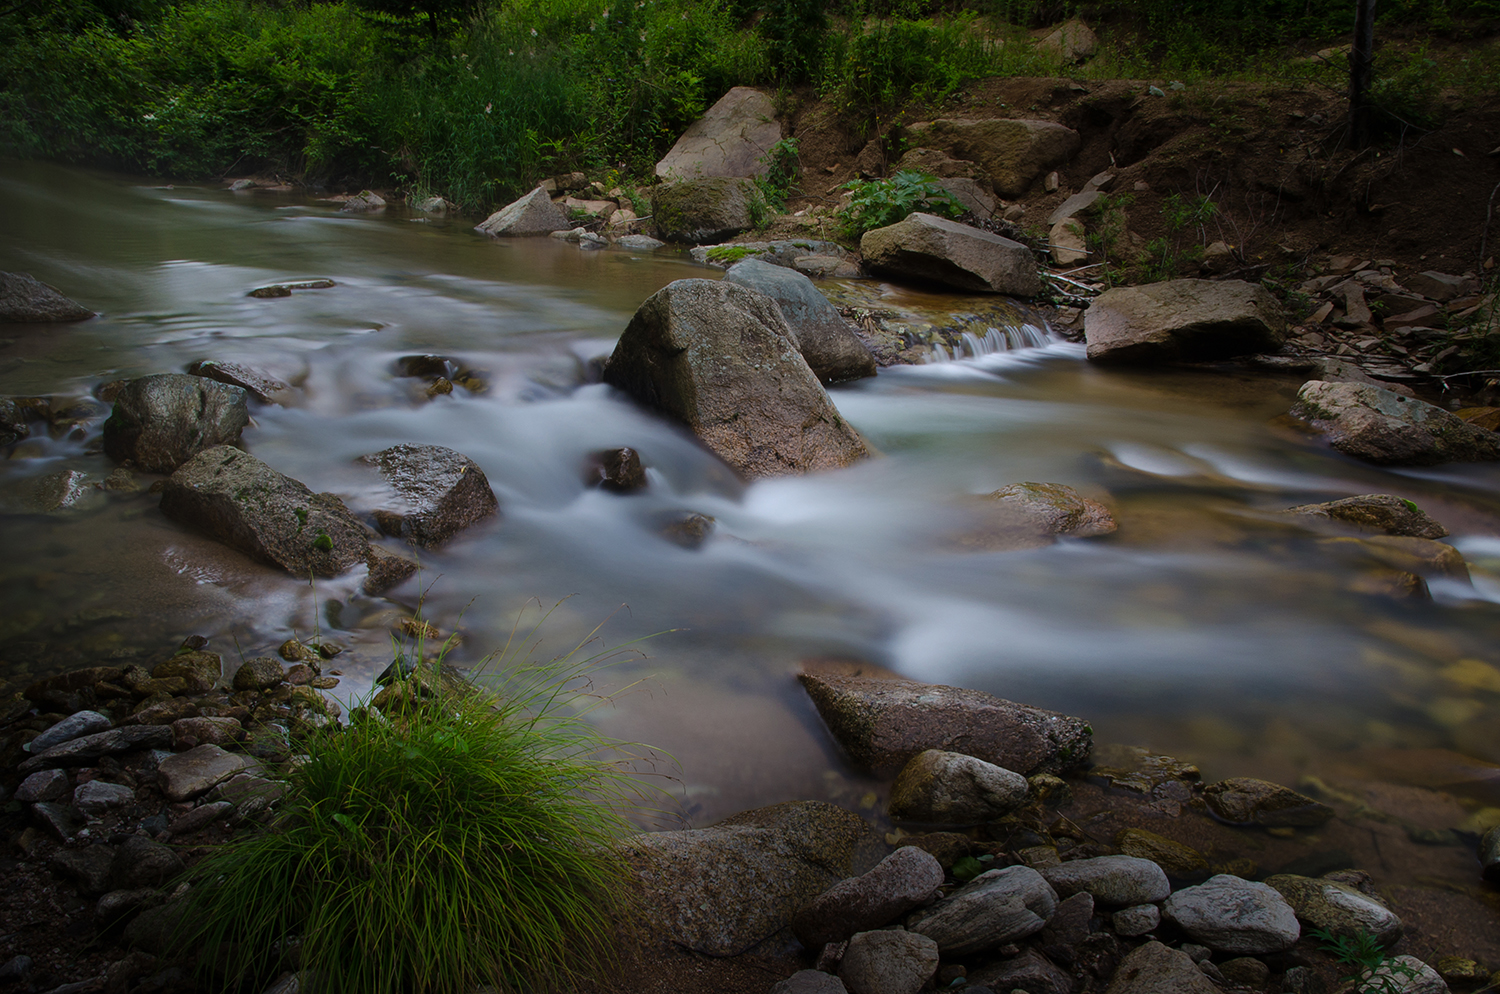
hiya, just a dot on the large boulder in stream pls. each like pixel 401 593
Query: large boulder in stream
pixel 698 211
pixel 533 214
pixel 239 500
pixel 437 493
pixel 933 249
pixel 1383 514
pixel 24 299
pixel 830 346
pixel 1183 321
pixel 1379 426
pixel 160 422
pixel 720 359
pixel 732 139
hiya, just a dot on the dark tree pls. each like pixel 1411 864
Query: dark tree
pixel 1361 73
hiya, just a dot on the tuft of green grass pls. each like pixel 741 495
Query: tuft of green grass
pixel 458 840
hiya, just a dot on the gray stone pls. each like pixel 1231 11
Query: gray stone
pixel 971 195
pixel 1381 513
pixel 1068 927
pixel 160 422
pixel 88 748
pixel 1248 801
pixel 824 338
pixel 1031 972
pixel 435 493
pixel 930 248
pixel 1489 854
pixel 364 200
pixel 906 879
pixel 58 819
pixel 431 205
pixel 1068 242
pixel 732 139
pixel 888 962
pixel 44 785
pixel 97 796
pixel 1245 971
pixel 639 243
pixel 703 210
pixel 1028 515
pixel 188 774
pixel 721 359
pixel 25 299
pixel 247 505
pixel 809 982
pixel 883 722
pixel 1131 922
pixel 1337 908
pixel 1402 975
pixel 188 732
pixel 1231 915
pixel 1382 427
pixel 260 673
pixel 88 867
pixel 262 386
pixel 994 908
pixel 1155 969
pixel 200 817
pixel 1441 287
pixel 142 862
pixel 62 491
pixel 953 789
pixel 1183 321
pixel 1116 880
pixel 1074 205
pixel 1014 153
pixel 71 727
pixel 1070 41
pixel 533 214
pixel 117 905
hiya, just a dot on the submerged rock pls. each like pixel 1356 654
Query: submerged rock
pixel 996 907
pixel 731 139
pixel 239 500
pixel 1027 515
pixel 1248 801
pixel 930 248
pixel 160 422
pixel 24 299
pixel 1382 427
pixel 1382 513
pixel 62 491
pixel 439 492
pixel 827 343
pixel 1420 556
pixel 533 214
pixel 1183 321
pixel 720 359
pixel 703 210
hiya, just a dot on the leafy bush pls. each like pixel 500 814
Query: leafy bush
pixel 877 203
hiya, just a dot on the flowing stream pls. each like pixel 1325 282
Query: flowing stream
pixel 1209 626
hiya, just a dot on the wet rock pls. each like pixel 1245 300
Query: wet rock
pixel 1402 975
pixel 994 908
pixel 906 879
pixel 685 528
pixel 61 491
pixel 1176 859
pixel 724 889
pixel 263 387
pixel 1024 515
pixel 884 723
pixel 951 788
pixel 1117 880
pixel 13 426
pixel 639 243
pixel 364 201
pixel 200 817
pixel 1137 920
pixel 616 470
pixel 121 481
pixel 188 774
pixel 888 963
pixel 1489 855
pixel 160 422
pixel 1232 915
pixel 96 797
pixel 260 673
pixel 438 493
pixel 87 748
pixel 732 139
pixel 72 691
pixel 1381 513
pixel 386 570
pixel 809 982
pixel 825 339
pixel 88 868
pixel 25 299
pixel 58 820
pixel 188 732
pixel 1402 553
pixel 1337 908
pixel 71 727
pixel 1031 972
pixel 533 214
pixel 1155 969
pixel 1248 801
pixel 44 785
pixel 929 248
pixel 1183 321
pixel 247 505
pixel 1382 427
pixel 200 671
pixel 1014 153
pixel 702 210
pixel 720 359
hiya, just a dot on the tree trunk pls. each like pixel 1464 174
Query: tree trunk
pixel 1361 72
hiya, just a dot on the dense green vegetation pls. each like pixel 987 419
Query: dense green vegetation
pixel 475 99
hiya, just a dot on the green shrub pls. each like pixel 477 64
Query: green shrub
pixel 877 203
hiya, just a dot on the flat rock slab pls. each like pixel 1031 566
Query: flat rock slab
pixel 825 339
pixel 928 248
pixel 1382 427
pixel 73 726
pixel 1183 321
pixel 884 723
pixel 1249 801
pixel 197 771
pixel 438 493
pixel 533 214
pixel 1381 513
pixel 720 359
pixel 24 299
pixel 1015 153
pixel 239 500
pixel 88 748
pixel 160 422
pixel 262 386
pixel 906 879
pixel 696 211
pixel 732 139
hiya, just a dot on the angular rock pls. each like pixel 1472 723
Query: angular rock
pixel 687 529
pixel 160 422
pixel 935 249
pixel 71 727
pixel 1231 915
pixel 697 211
pixel 1441 287
pixel 724 889
pixel 188 774
pixel 616 470
pixel 200 817
pixel 1183 321
pixel 365 200
pixel 1031 972
pixel 438 493
pixel 883 723
pixel 1382 427
pixel 1073 206
pixel 1156 969
pixel 25 299
pixel 1138 920
pixel 1070 41
pixel 809 982
pixel 732 139
pixel 187 732
pixel 888 963
pixel 44 785
pixel 1068 242
pixel 533 214
pixel 1176 859
pixel 200 671
pixel 972 195
pixel 1489 855
pixel 1013 152
pixel 260 673
pixel 247 505
pixel 98 796
pixel 1337 908
pixel 1117 880
pixel 720 359
pixel 386 570
pixel 994 908
pixel 824 338
pixel 906 879
pixel 1248 801
pixel 1383 513
pixel 59 820
pixel 953 789
pixel 88 867
pixel 1402 975
pixel 263 387
pixel 13 426
pixel 88 748
pixel 641 243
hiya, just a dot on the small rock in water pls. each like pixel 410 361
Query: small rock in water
pixel 259 673
pixel 438 493
pixel 617 470
pixel 685 528
pixel 1248 801
pixel 386 570
pixel 62 491
pixel 1386 428
pixel 1176 859
pixel 263 387
pixel 950 788
pixel 365 200
pixel 1381 513
pixel 27 300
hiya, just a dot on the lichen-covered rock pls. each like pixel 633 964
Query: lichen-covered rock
pixel 1248 801
pixel 1014 153
pixel 1337 908
pixel 827 343
pixel 386 570
pixel 732 139
pixel 199 670
pixel 436 493
pixel 24 299
pixel 697 211
pixel 160 422
pixel 950 788
pixel 928 248
pixel 533 214
pixel 1183 321
pixel 1382 427
pixel 1381 513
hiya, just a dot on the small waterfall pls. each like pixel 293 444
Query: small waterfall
pixel 971 345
